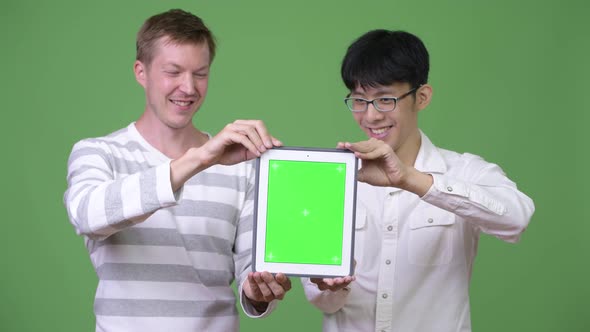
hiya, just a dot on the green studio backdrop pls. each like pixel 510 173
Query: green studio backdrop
pixel 510 84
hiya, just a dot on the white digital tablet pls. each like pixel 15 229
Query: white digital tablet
pixel 304 210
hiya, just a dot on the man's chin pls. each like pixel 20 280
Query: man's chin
pixel 179 124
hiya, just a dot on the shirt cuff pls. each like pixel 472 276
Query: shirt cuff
pixel 249 309
pixel 446 193
pixel 166 197
pixel 450 194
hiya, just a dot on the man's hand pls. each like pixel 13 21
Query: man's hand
pixel 333 284
pixel 382 167
pixel 262 287
pixel 239 141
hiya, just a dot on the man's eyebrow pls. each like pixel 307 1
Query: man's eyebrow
pixel 172 64
pixel 383 92
pixel 205 67
pixel 176 66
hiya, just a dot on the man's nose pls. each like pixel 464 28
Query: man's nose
pixel 188 85
pixel 372 113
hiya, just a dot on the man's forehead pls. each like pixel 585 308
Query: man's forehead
pixel 169 50
pixel 380 89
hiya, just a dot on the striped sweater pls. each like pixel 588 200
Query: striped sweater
pixel 165 261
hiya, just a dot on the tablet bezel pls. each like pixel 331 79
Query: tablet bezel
pixel 260 209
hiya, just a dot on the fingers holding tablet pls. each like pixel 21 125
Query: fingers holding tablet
pixel 238 141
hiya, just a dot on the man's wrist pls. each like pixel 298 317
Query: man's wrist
pixel 417 182
pixel 185 167
pixel 258 305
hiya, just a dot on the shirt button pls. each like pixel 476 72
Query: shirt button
pixel 390 228
pixel 430 220
pixel 388 262
pixel 449 189
pixel 384 295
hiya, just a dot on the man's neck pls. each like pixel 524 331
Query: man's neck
pixel 409 151
pixel 172 142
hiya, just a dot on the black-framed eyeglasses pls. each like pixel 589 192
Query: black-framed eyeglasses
pixel 382 104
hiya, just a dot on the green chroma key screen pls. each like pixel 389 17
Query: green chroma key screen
pixel 305 214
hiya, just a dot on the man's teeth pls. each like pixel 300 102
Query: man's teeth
pixel 181 103
pixel 378 131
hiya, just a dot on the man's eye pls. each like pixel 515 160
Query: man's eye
pixel 201 75
pixel 386 101
pixel 171 72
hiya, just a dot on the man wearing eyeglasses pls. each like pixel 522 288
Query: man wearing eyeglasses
pixel 420 208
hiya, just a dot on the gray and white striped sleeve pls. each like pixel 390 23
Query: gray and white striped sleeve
pixel 243 250
pixel 99 203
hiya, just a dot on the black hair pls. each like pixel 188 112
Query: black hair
pixel 383 57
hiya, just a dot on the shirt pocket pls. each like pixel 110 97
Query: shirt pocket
pixel 431 237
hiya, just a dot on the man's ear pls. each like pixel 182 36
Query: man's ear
pixel 140 70
pixel 423 96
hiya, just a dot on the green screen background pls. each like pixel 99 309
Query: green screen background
pixel 510 83
pixel 304 218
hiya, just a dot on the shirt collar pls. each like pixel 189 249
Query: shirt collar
pixel 429 159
